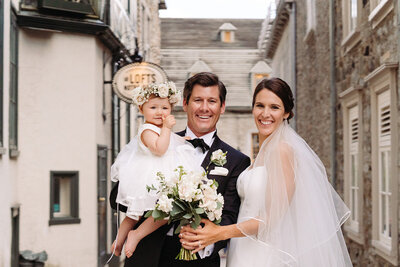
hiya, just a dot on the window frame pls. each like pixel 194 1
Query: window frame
pixel 74 198
pixel 311 19
pixel 379 9
pixel 351 37
pixel 383 79
pixel 352 98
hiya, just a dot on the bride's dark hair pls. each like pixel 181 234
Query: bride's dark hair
pixel 281 89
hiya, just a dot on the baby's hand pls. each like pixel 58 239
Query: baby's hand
pixel 169 121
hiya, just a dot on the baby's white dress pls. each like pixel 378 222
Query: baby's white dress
pixel 136 167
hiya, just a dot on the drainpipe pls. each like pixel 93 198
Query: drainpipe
pixel 333 90
pixel 293 55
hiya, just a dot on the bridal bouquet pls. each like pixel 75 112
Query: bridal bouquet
pixel 186 197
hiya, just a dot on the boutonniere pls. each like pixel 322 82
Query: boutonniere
pixel 218 158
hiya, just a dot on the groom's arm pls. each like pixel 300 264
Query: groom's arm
pixel 113 198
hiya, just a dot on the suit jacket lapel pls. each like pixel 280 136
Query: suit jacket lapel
pixel 181 133
pixel 214 146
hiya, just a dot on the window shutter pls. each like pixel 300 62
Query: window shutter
pixel 384 118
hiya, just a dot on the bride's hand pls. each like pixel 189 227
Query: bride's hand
pixel 185 231
pixel 197 239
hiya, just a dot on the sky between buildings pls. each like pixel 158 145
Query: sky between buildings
pixel 216 9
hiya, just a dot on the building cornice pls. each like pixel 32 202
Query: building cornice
pixel 385 66
pixel 35 20
pixel 278 26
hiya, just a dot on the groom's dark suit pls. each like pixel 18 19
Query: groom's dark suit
pixel 160 250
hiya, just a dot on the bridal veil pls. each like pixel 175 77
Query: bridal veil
pixel 299 213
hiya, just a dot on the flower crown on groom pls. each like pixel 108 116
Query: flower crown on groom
pixel 141 94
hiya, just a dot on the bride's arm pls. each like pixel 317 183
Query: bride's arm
pixel 212 233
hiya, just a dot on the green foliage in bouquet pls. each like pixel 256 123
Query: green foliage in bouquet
pixel 186 197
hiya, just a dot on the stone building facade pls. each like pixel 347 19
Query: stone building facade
pixel 367 55
pixel 61 125
pixel 228 48
pixel 344 67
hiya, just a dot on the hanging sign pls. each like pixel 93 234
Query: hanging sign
pixel 136 74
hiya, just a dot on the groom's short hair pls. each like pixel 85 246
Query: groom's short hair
pixel 205 79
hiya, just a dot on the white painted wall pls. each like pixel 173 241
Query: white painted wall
pixel 60 125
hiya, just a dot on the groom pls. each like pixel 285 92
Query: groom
pixel 203 101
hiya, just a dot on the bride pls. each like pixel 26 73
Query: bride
pixel 289 215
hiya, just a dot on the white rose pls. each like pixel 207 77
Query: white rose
pixel 172 180
pixel 175 97
pixel 211 216
pixel 220 199
pixel 165 204
pixel 198 195
pixel 186 189
pixel 217 155
pixel 140 99
pixel 208 204
pixel 172 86
pixel 163 90
pixel 218 214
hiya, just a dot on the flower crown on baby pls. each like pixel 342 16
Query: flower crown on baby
pixel 141 95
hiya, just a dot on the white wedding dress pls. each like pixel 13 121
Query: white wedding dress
pixel 301 227
pixel 136 167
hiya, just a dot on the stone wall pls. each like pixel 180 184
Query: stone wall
pixel 376 47
pixel 313 80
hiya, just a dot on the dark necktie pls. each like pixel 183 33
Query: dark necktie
pixel 198 142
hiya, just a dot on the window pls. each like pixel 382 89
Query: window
pixel 197 67
pixel 382 82
pixel 351 35
pixel 259 72
pixel 227 37
pixel 384 136
pixel 13 103
pixel 258 77
pixel 379 9
pixel 255 145
pixel 1 76
pixel 354 183
pixel 353 15
pixel 352 156
pixel 64 197
pixel 227 32
pixel 311 18
pixel 72 6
